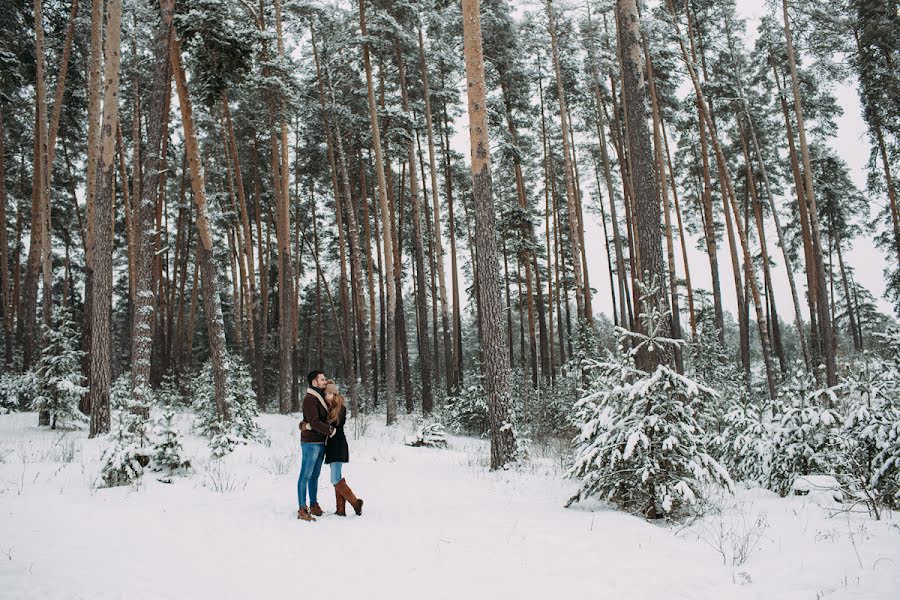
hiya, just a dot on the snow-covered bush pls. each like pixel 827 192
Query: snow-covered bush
pixel 709 363
pixel 58 373
pixel 168 393
pixel 120 392
pixel 552 414
pixel 747 442
pixel 431 435
pixel 241 427
pixel 16 390
pixel 466 410
pixel 870 468
pixel 640 446
pixel 806 432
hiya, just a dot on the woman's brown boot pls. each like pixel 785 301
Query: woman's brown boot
pixel 303 514
pixel 344 490
pixel 315 509
pixel 340 504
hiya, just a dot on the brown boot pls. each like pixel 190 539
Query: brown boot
pixel 303 514
pixel 340 504
pixel 315 509
pixel 344 490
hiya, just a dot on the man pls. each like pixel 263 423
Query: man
pixel 312 444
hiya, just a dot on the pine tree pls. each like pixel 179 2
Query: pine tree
pixel 58 372
pixel 168 453
pixel 640 445
pixel 240 428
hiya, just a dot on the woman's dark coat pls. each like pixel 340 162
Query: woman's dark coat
pixel 336 449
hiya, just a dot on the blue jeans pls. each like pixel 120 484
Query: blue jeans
pixel 310 467
pixel 336 472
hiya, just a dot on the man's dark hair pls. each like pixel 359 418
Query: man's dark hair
pixel 312 376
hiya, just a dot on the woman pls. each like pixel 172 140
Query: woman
pixel 337 453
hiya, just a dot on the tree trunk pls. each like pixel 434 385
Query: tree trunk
pixel 495 366
pixel 93 156
pixel 815 353
pixel 425 368
pixel 681 236
pixel 457 369
pixel 286 294
pixel 729 192
pixel 527 234
pixel 547 209
pixel 42 175
pixel 390 327
pixel 569 174
pixel 6 306
pixel 822 303
pixel 212 306
pixel 436 216
pixel 370 278
pixel 247 246
pixel 402 345
pixel 667 219
pixel 145 214
pixel 646 189
pixel 103 232
pixel 709 232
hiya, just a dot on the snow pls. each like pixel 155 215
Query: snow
pixel 819 488
pixel 437 524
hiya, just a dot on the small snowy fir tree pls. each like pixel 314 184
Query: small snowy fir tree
pixel 58 373
pixel 168 453
pixel 126 454
pixel 241 428
pixel 806 432
pixel 129 447
pixel 640 445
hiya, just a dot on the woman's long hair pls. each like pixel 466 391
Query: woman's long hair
pixel 334 411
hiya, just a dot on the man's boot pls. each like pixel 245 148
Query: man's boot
pixel 344 490
pixel 303 514
pixel 315 509
pixel 340 504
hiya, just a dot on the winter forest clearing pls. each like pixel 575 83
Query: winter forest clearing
pixel 442 526
pixel 581 297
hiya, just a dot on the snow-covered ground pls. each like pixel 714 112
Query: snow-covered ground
pixel 437 524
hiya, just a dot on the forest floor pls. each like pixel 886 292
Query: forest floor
pixel 436 524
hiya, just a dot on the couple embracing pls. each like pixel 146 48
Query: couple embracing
pixel 322 439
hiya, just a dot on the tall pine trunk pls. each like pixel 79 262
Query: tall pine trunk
pixel 643 178
pixel 425 368
pixel 571 200
pixel 103 232
pixel 212 306
pixel 436 216
pixel 495 366
pixel 390 327
pixel 822 301
pixel 145 214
